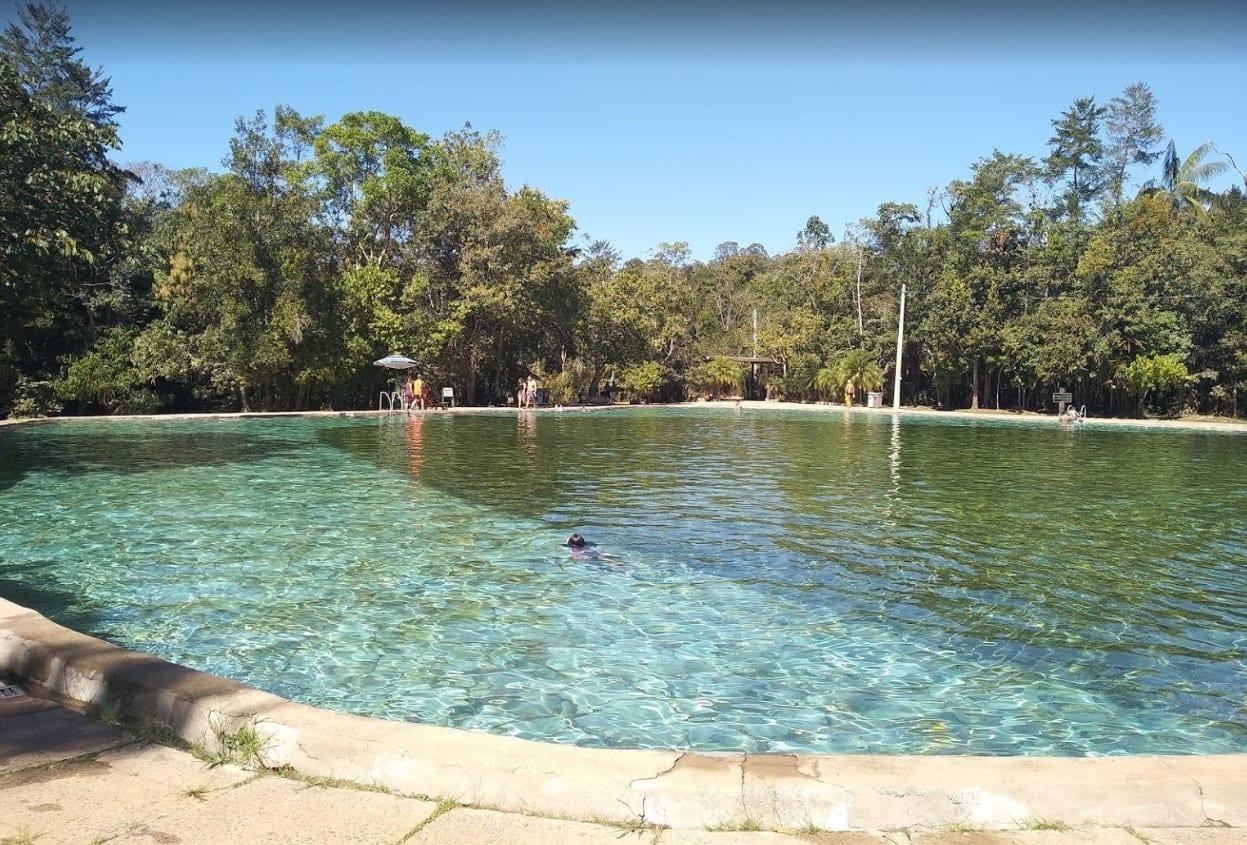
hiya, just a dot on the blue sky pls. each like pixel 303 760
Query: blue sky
pixel 714 123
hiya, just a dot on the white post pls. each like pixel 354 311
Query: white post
pixel 900 340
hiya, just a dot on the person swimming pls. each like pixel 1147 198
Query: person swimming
pixel 582 549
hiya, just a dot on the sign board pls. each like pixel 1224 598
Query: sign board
pixel 448 393
pixel 1062 398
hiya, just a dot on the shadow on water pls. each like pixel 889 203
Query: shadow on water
pixel 77 451
pixel 59 603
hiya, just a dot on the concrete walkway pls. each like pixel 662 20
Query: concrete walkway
pixel 67 779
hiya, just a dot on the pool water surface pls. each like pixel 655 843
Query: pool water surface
pixel 765 580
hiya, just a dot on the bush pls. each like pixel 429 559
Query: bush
pixel 716 377
pixel 108 377
pixel 798 384
pixel 642 381
pixel 1161 378
pixel 34 398
pixel 568 386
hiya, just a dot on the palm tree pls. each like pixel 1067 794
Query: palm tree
pixel 826 381
pixel 724 376
pixel 1182 182
pixel 857 370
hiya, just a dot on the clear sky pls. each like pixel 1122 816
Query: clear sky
pixel 700 122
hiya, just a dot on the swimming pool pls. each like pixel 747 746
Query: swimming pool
pixel 777 580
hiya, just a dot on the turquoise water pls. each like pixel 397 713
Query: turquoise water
pixel 777 581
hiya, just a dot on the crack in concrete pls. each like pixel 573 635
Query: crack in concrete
pixel 744 762
pixel 632 784
pixel 1209 821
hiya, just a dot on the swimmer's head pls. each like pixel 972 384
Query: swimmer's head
pixel 575 541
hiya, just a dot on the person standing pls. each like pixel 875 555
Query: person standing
pixel 417 391
pixel 531 390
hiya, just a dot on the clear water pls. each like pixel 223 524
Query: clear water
pixel 780 580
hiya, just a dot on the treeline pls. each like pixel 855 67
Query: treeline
pixel 1108 268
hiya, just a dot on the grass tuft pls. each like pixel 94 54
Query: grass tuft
pixel 1046 824
pixel 23 835
pixel 739 826
pixel 444 806
pixel 960 827
pixel 240 747
pixel 322 782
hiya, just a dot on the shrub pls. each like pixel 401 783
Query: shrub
pixel 1160 377
pixel 716 377
pixel 108 377
pixel 642 380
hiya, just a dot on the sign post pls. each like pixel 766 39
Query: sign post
pixel 1062 398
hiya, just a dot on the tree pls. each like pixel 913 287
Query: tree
pixel 1182 182
pixel 815 235
pixel 717 377
pixel 246 282
pixel 857 371
pixel 376 183
pixel 42 49
pixel 1133 135
pixel 642 380
pixel 60 201
pixel 1146 375
pixel 827 381
pixel 1075 154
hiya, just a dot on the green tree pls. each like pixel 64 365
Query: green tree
pixel 1075 154
pixel 41 46
pixel 1147 375
pixel 716 377
pixel 1182 181
pixel 60 201
pixel 1133 135
pixel 857 372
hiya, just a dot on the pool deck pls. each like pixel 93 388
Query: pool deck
pixel 1227 426
pixel 431 784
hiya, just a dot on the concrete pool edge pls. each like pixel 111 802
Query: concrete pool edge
pixel 668 788
pixel 1228 426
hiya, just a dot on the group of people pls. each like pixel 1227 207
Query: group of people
pixel 526 393
pixel 415 393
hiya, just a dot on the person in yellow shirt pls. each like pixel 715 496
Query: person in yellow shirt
pixel 418 390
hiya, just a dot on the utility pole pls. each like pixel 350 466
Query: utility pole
pixel 753 365
pixel 860 328
pixel 900 341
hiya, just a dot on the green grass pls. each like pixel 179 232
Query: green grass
pixel 443 807
pixel 109 711
pixel 739 826
pixel 1136 834
pixel 1046 824
pixel 240 747
pixel 330 783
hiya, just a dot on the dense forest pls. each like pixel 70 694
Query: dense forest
pixel 1107 267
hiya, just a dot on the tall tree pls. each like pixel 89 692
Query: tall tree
pixel 1075 154
pixel 1182 180
pixel 815 235
pixel 1134 135
pixel 42 49
pixel 59 224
